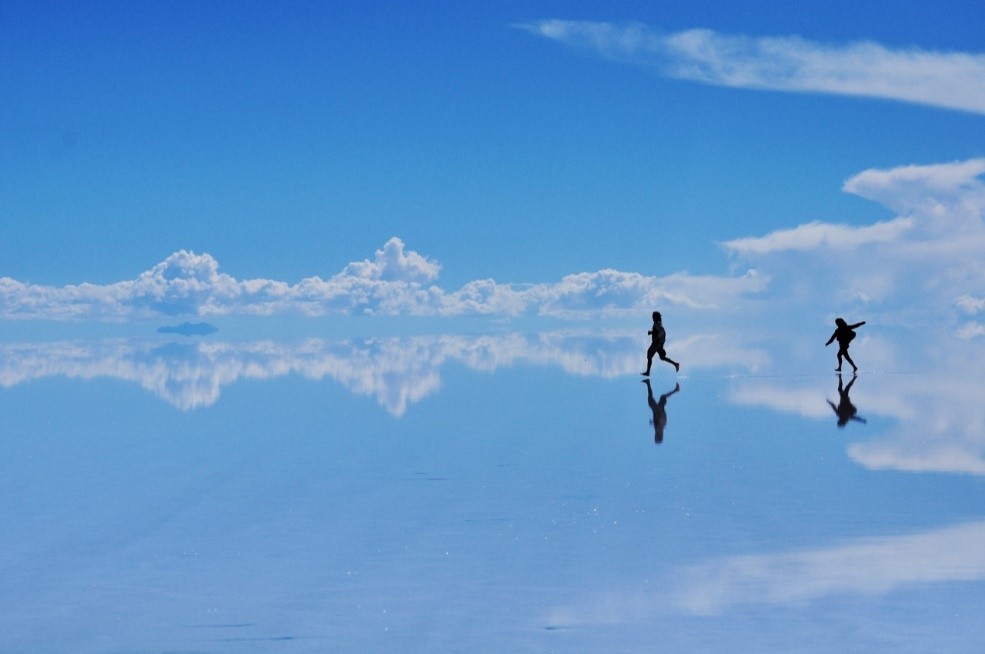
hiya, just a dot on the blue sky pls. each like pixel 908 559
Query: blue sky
pixel 502 145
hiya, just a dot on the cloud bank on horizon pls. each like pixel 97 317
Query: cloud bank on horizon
pixel 396 282
pixel 925 261
pixel 950 80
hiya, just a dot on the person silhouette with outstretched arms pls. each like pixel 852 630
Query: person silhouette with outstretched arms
pixel 844 333
pixel 659 337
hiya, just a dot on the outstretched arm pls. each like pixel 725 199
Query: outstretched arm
pixel 831 340
pixel 858 324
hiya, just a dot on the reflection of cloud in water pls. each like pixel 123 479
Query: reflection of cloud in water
pixel 940 416
pixel 397 371
pixel 941 429
pixel 874 566
pixel 772 395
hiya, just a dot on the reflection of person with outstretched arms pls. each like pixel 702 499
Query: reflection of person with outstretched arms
pixel 845 410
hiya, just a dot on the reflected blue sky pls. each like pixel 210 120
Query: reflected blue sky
pixel 488 493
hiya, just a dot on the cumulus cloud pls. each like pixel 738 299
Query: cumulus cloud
pixel 936 202
pixel 396 282
pixel 393 264
pixel 929 255
pixel 951 80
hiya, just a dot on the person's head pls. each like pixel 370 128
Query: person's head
pixel 840 322
pixel 656 316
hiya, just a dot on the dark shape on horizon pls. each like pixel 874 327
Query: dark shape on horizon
pixel 659 409
pixel 189 329
pixel 844 333
pixel 845 410
pixel 658 338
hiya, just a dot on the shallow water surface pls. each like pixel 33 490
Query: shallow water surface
pixel 486 493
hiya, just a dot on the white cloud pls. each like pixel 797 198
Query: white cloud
pixel 396 282
pixel 626 40
pixel 611 291
pixel 928 256
pixel 936 190
pixel 815 235
pixel 951 80
pixel 971 330
pixel 940 202
pixel 392 264
pixel 970 305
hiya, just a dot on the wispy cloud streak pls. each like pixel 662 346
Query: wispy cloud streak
pixel 817 234
pixel 951 80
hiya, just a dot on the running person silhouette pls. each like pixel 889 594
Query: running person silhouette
pixel 844 333
pixel 659 337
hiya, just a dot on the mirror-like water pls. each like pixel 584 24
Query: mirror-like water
pixel 492 493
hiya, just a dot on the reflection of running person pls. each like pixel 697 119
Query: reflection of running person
pixel 659 410
pixel 844 333
pixel 845 410
pixel 659 337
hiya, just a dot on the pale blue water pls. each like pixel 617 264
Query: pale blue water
pixel 493 493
